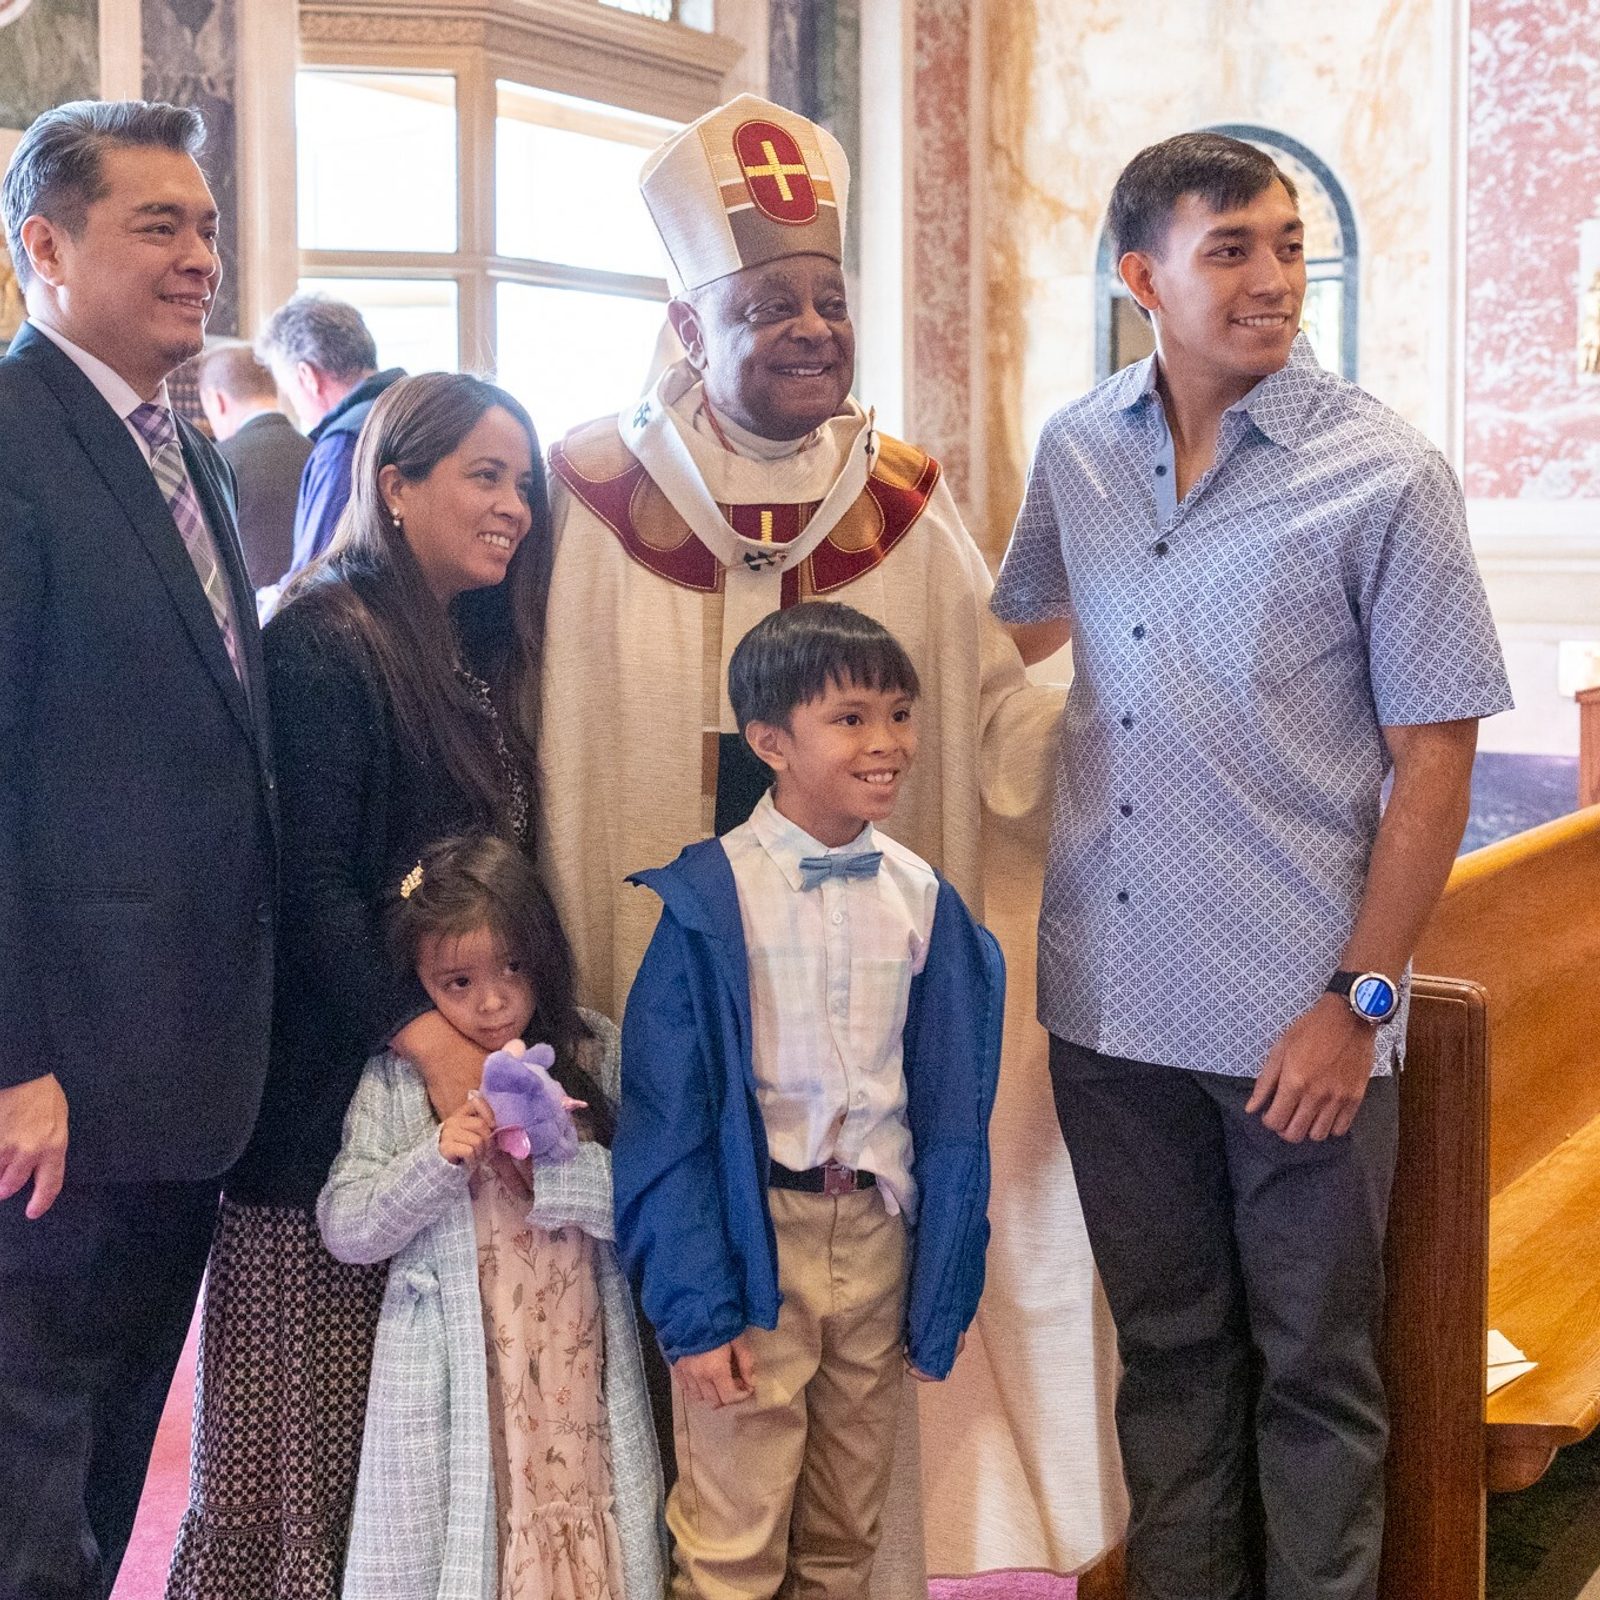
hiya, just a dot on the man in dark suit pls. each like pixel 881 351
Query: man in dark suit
pixel 266 451
pixel 137 832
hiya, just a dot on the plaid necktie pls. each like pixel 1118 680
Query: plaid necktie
pixel 172 479
pixel 815 870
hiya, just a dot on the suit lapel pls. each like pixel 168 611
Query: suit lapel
pixel 218 506
pixel 108 444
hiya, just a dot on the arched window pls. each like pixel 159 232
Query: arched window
pixel 1122 335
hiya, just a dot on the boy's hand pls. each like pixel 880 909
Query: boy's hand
pixel 927 1377
pixel 464 1135
pixel 720 1377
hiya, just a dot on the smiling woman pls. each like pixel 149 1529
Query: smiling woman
pixel 392 666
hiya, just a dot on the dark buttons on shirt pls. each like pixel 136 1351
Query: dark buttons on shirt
pixel 1161 469
pixel 1161 547
pixel 1125 809
pixel 1127 722
pixel 1138 630
pixel 1122 897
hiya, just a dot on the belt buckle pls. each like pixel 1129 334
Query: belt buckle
pixel 837 1179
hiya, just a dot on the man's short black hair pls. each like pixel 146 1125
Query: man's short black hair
pixel 792 656
pixel 1226 173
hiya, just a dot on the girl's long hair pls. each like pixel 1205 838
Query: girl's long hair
pixel 480 880
pixel 370 583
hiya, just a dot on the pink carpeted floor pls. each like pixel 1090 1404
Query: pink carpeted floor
pixel 144 1572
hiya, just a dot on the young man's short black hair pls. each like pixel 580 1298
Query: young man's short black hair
pixel 1226 173
pixel 792 656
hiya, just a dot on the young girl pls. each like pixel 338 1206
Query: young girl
pixel 508 1451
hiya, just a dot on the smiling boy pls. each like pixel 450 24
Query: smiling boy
pixel 1273 607
pixel 809 1060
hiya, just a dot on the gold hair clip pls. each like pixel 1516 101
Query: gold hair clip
pixel 411 882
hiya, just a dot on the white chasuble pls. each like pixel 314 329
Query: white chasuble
pixel 670 545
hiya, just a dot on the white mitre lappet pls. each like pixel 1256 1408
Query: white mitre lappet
pixel 748 183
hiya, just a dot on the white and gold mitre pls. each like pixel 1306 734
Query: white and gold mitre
pixel 747 183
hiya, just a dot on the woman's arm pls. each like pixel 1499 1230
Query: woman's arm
pixel 379 1195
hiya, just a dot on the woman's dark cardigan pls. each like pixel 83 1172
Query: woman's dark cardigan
pixel 358 806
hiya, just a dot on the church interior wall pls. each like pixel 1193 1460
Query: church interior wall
pixel 1532 415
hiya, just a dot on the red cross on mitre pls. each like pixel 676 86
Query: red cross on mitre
pixel 775 172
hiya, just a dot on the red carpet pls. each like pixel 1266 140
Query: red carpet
pixel 166 1490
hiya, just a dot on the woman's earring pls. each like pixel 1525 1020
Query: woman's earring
pixel 398 520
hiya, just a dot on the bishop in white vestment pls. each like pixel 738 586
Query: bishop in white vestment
pixel 746 479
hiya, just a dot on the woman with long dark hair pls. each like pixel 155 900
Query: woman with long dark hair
pixel 401 670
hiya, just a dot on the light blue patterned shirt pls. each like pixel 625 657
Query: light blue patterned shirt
pixel 1236 658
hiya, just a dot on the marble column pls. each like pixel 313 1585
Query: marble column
pixel 49 53
pixel 191 59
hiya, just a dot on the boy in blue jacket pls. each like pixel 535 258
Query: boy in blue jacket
pixel 801 1164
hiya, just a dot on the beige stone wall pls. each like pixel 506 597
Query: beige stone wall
pixel 1076 87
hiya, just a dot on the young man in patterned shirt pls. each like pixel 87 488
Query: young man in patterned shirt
pixel 1267 580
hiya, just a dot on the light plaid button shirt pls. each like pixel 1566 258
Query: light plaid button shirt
pixel 830 979
pixel 1235 657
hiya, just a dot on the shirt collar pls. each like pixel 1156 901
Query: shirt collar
pixel 1277 405
pixel 114 389
pixel 787 842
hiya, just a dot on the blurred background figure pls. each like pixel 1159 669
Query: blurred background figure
pixel 323 357
pixel 265 450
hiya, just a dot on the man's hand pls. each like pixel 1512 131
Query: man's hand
pixel 451 1064
pixel 33 1141
pixel 1317 1075
pixel 720 1377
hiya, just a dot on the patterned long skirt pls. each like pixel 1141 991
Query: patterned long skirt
pixel 285 1353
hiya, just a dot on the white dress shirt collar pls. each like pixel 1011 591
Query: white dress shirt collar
pixel 114 389
pixel 787 842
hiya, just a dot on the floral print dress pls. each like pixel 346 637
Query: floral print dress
pixel 547 1416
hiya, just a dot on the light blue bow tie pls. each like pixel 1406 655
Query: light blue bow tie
pixel 813 869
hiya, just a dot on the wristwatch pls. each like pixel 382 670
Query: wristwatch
pixel 1372 996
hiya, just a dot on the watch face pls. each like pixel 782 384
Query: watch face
pixel 1374 997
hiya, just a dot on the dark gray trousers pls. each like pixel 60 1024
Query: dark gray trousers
pixel 1245 1277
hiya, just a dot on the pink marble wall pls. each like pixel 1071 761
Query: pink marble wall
pixel 939 244
pixel 1533 176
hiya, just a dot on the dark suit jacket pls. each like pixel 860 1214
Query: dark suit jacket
pixel 267 455
pixel 137 814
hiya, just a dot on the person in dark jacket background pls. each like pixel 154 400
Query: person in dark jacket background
pixel 266 451
pixel 324 357
pixel 810 1053
pixel 391 668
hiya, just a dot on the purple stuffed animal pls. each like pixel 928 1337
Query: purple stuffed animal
pixel 532 1113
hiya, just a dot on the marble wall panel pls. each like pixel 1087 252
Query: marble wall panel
pixel 944 348
pixel 1533 179
pixel 49 54
pixel 1076 87
pixel 191 59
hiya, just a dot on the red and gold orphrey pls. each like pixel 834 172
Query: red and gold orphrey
pixel 600 470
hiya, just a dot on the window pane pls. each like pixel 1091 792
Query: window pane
pixel 570 356
pixel 567 182
pixel 691 13
pixel 377 160
pixel 1322 321
pixel 413 320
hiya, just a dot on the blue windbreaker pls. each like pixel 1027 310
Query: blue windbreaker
pixel 690 1162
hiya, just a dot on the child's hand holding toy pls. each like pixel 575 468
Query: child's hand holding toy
pixel 532 1113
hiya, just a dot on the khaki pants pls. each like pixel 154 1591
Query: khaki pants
pixel 782 1494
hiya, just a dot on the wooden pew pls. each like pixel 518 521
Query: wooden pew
pixel 1522 919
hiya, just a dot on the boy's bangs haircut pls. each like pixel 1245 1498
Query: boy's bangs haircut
pixel 794 656
pixel 1226 173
